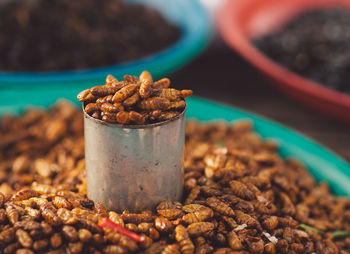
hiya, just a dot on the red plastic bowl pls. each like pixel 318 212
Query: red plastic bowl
pixel 241 20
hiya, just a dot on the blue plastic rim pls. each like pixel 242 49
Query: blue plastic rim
pixel 321 162
pixel 189 15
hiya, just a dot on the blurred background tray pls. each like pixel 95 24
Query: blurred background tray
pixel 188 15
pixel 242 20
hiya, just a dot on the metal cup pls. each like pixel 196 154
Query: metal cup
pixel 134 167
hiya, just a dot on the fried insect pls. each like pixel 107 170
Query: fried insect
pixel 111 108
pixel 43 188
pixel 136 218
pixel 86 96
pixel 111 80
pixel 170 214
pixel 154 103
pixel 92 107
pixel 136 117
pixel 241 190
pixel 84 235
pixel 61 202
pixel 70 233
pixel 201 214
pixel 131 79
pixel 171 249
pixel 124 93
pixel 23 238
pixel 243 218
pixel 67 216
pixel 132 100
pixel 220 206
pixel 174 95
pixel 109 117
pixel 161 84
pixel 145 89
pixel 24 194
pixel 182 237
pixel 102 91
pixel 122 117
pixel 106 99
pixel 48 211
pixel 87 215
pixel 116 218
pixel 12 213
pixel 198 228
pixel 56 240
pixel 169 205
pixel 177 105
pixel 145 75
pixel 163 224
pixel 233 241
pixel 164 116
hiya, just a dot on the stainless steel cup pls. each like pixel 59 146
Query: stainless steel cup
pixel 134 167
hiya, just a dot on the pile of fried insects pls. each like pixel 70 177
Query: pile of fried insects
pixel 134 100
pixel 239 196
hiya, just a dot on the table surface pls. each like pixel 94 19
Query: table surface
pixel 220 74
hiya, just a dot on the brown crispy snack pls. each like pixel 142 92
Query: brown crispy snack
pixel 134 100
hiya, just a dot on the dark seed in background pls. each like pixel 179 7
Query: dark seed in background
pixel 315 45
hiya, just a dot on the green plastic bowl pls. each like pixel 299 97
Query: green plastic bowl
pixel 188 15
pixel 321 162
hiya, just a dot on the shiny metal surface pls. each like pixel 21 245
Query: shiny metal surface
pixel 134 167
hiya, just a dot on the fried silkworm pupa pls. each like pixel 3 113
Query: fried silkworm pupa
pixel 132 100
pixel 111 108
pixel 124 93
pixel 111 80
pixel 105 99
pixel 122 117
pixel 130 78
pixel 177 105
pixel 182 237
pixel 48 211
pixel 241 190
pixel 171 249
pixel 154 103
pixel 219 206
pixel 136 218
pixel 92 107
pixel 24 194
pixel 145 88
pixel 101 91
pixel 170 214
pixel 109 117
pixel 86 96
pixel 97 115
pixel 198 228
pixel 145 75
pixel 136 117
pixel 161 84
pixel 23 238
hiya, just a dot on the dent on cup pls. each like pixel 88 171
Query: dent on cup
pixel 134 167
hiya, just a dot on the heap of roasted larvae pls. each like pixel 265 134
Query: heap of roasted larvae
pixel 134 100
pixel 240 196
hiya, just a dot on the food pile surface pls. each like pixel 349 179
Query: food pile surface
pixel 41 35
pixel 240 196
pixel 315 45
pixel 134 100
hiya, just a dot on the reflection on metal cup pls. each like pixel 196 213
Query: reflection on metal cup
pixel 134 167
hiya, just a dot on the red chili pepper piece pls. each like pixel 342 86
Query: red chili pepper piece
pixel 104 222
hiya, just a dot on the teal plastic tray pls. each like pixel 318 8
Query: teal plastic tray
pixel 321 162
pixel 188 15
